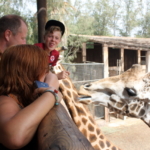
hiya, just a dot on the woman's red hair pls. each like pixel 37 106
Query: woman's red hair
pixel 20 66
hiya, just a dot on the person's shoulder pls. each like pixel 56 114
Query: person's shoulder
pixel 55 52
pixel 7 100
pixel 41 45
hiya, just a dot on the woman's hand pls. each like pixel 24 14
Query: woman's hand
pixel 39 91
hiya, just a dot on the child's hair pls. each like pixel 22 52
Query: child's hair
pixel 51 29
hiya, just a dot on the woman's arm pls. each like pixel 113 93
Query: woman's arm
pixel 17 126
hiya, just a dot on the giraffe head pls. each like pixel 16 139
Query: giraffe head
pixel 128 92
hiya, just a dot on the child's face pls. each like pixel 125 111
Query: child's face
pixel 52 40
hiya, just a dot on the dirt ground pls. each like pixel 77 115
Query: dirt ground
pixel 128 134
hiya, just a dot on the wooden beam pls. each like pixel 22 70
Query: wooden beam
pixel 58 131
pixel 122 59
pixel 139 57
pixel 83 52
pixel 148 61
pixel 106 74
pixel 119 46
pixel 105 60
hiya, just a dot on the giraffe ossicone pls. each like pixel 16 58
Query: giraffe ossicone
pixel 127 93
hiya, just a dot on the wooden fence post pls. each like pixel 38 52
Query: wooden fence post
pixel 58 131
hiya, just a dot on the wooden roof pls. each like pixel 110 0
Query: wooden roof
pixel 120 42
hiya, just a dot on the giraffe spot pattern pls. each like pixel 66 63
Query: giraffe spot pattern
pixel 67 84
pixel 138 107
pixel 84 121
pixel 114 148
pixel 98 131
pixel 113 101
pixel 84 132
pixel 108 143
pixel 72 111
pixel 90 128
pixel 92 138
pixel 80 110
pixel 78 124
pixel 68 93
pixel 133 107
pixel 120 105
pixel 102 137
pixel 91 119
pixel 75 96
pixel 96 147
pixel 101 143
pixel 65 98
pixel 142 112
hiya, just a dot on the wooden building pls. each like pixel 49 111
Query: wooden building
pixel 117 53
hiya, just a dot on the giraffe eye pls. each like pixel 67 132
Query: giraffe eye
pixel 87 85
pixel 130 92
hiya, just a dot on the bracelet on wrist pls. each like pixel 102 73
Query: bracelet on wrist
pixel 55 93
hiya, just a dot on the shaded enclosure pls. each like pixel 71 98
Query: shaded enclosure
pixel 117 53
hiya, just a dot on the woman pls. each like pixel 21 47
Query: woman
pixel 22 107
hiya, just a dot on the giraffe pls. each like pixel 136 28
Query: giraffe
pixel 126 94
pixel 81 115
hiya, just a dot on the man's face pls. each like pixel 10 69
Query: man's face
pixel 52 40
pixel 20 37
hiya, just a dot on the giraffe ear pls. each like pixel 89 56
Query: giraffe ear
pixel 130 92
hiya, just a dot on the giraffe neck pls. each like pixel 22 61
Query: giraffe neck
pixel 82 117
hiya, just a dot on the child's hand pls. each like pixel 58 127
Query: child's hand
pixel 63 75
pixel 52 80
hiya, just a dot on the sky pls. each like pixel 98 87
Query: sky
pixel 31 6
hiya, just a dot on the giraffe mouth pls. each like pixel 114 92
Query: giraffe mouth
pixel 85 99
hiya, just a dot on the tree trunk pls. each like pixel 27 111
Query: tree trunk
pixel 41 16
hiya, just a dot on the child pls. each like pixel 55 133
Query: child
pixel 54 31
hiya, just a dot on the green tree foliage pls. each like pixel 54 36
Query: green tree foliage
pixel 74 45
pixel 32 29
pixel 81 21
pixel 144 22
pixel 90 17
pixel 129 16
pixel 102 16
pixel 115 16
